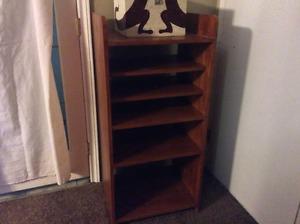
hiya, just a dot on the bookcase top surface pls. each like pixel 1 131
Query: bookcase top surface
pixel 117 39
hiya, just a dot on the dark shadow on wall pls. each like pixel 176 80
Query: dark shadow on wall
pixel 194 7
pixel 228 89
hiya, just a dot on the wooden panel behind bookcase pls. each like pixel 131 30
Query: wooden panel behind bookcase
pixel 199 44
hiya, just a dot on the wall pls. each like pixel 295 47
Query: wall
pixel 105 7
pixel 256 126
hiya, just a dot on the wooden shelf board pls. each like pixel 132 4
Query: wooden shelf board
pixel 151 149
pixel 149 195
pixel 159 116
pixel 153 66
pixel 159 92
pixel 115 39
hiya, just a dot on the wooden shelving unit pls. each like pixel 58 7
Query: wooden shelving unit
pixel 153 112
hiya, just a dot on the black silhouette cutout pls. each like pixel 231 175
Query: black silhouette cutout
pixel 173 15
pixel 136 14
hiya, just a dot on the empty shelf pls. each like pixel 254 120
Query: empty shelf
pixel 159 116
pixel 154 148
pixel 155 193
pixel 147 93
pixel 153 66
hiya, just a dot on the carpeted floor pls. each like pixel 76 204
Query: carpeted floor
pixel 84 205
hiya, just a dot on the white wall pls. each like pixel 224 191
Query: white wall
pixel 256 141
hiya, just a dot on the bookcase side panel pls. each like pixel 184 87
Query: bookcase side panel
pixel 104 109
pixel 203 54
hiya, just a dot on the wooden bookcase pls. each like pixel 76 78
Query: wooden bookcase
pixel 153 106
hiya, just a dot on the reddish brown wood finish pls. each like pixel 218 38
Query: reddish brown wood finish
pixel 204 55
pixel 155 148
pixel 136 134
pixel 157 92
pixel 115 39
pixel 156 191
pixel 154 66
pixel 160 116
pixel 104 109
